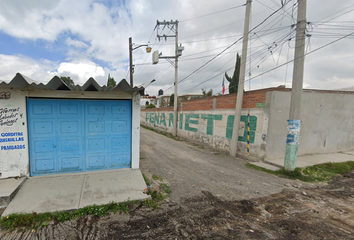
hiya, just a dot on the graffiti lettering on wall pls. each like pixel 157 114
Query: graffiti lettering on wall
pixel 5 95
pixel 9 116
pixel 12 147
pixel 12 137
pixel 189 122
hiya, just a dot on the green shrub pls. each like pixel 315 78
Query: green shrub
pixel 150 106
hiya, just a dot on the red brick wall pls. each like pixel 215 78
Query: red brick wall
pixel 228 101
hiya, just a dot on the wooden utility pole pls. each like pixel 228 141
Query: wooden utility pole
pixel 175 101
pixel 131 61
pixel 294 122
pixel 234 140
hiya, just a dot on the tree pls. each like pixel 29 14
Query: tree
pixel 67 80
pixel 172 100
pixel 111 81
pixel 233 85
pixel 207 94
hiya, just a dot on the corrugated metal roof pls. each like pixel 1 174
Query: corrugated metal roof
pixel 21 81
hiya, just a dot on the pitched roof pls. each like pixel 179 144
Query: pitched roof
pixel 21 81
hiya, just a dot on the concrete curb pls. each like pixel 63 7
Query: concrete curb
pixel 9 188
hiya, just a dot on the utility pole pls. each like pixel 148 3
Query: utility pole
pixel 294 121
pixel 131 68
pixel 173 25
pixel 131 61
pixel 175 101
pixel 234 140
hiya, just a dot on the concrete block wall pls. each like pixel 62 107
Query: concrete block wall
pixel 210 120
pixel 327 122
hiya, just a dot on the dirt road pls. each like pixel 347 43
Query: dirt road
pixel 216 197
pixel 190 169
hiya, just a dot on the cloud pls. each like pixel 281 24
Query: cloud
pixel 93 36
pixel 75 43
pixel 37 70
pixel 80 71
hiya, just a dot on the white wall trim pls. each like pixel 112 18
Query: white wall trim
pixel 135 131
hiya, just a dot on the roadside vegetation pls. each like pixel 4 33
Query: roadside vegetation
pixel 37 220
pixel 23 221
pixel 157 196
pixel 317 173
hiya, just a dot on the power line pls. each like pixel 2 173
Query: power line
pixel 208 14
pixel 315 50
pixel 276 29
pixel 207 62
pixel 272 14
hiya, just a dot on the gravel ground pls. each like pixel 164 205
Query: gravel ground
pixel 190 168
pixel 216 197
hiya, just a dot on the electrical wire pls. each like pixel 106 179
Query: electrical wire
pixel 208 14
pixel 310 52
pixel 195 71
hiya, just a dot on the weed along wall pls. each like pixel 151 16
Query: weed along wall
pixel 13 133
pixel 206 120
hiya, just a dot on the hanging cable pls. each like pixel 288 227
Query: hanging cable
pixel 213 13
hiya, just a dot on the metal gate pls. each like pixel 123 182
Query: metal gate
pixel 78 135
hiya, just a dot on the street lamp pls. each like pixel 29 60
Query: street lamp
pixel 148 50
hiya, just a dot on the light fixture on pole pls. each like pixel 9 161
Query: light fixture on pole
pixel 148 50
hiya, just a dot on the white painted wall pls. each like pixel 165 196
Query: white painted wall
pixel 213 132
pixel 135 131
pixel 14 163
pixel 13 134
pixel 327 123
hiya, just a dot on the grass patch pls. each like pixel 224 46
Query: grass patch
pixel 157 177
pixel 317 173
pixel 156 199
pixel 35 221
pixel 147 181
pixel 38 220
pixel 162 133
pixel 166 188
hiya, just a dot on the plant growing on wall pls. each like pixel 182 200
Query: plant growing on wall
pixel 163 103
pixel 150 106
pixel 233 81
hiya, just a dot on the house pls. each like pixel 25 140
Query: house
pixel 163 100
pixel 54 128
pixel 146 100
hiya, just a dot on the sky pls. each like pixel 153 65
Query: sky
pixel 87 38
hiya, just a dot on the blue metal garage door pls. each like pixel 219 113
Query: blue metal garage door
pixel 78 135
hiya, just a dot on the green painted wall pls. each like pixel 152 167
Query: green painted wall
pixel 193 118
